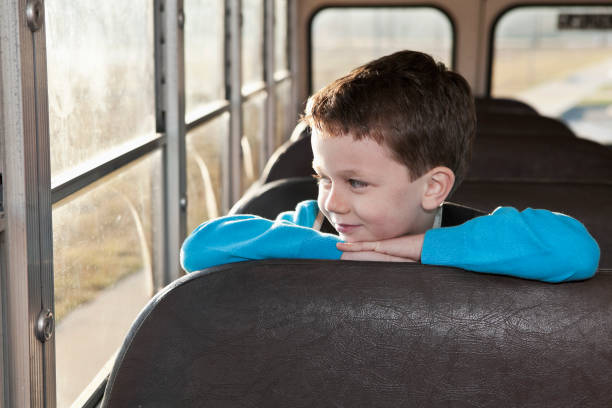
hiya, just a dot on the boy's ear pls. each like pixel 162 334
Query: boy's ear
pixel 438 184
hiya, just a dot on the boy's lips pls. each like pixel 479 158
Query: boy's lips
pixel 346 228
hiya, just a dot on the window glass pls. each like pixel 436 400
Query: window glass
pixel 100 69
pixel 205 147
pixel 344 38
pixel 252 140
pixel 284 123
pixel 280 36
pixel 204 55
pixel 252 43
pixel 102 250
pixel 555 60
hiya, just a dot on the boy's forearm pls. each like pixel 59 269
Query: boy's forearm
pixel 247 237
pixel 533 244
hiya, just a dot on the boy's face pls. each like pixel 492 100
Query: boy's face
pixel 365 193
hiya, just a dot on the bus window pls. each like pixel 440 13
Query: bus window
pixel 251 142
pixel 559 60
pixel 345 37
pixel 100 80
pixel 101 87
pixel 284 122
pixel 102 242
pixel 204 55
pixel 281 60
pixel 252 44
pixel 205 146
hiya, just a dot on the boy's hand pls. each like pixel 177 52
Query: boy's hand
pixel 371 256
pixel 402 249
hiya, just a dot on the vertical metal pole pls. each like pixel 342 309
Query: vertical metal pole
pixel 3 332
pixel 232 167
pixel 28 277
pixel 269 69
pixel 172 83
pixel 158 267
pixel 43 183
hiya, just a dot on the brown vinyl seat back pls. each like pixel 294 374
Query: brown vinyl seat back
pixel 289 333
pixel 292 159
pixel 270 199
pixel 503 157
pixel 508 124
pixel 486 105
pixel 543 158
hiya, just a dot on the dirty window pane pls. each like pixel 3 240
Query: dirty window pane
pixel 252 44
pixel 204 56
pixel 252 139
pixel 562 71
pixel 102 261
pixel 284 123
pixel 100 80
pixel 280 39
pixel 205 147
pixel 344 38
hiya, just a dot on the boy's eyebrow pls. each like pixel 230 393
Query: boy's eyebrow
pixel 346 173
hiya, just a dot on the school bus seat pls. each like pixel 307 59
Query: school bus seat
pixel 504 156
pixel 500 124
pixel 543 158
pixel 292 159
pixel 270 199
pixel 308 333
pixel 487 105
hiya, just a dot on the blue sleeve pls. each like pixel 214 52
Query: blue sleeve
pixel 532 244
pixel 248 237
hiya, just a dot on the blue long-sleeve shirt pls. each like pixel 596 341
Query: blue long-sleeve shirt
pixel 532 244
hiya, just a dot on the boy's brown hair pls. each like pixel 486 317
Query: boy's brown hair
pixel 423 112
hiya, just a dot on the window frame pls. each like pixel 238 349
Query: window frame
pixel 500 14
pixel 29 367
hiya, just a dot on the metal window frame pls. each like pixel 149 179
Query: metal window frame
pixel 29 369
pixel 170 93
pixel 3 332
pixel 233 81
pixel 28 277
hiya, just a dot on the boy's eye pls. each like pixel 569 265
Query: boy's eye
pixel 357 184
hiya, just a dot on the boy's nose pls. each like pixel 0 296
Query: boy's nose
pixel 336 201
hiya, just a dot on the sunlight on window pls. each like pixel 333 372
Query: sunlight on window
pixel 102 249
pixel 563 72
pixel 252 140
pixel 252 44
pixel 344 38
pixel 204 55
pixel 96 71
pixel 205 147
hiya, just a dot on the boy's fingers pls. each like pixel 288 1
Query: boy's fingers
pixel 408 246
pixel 372 256
pixel 357 246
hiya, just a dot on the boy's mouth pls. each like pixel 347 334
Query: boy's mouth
pixel 346 228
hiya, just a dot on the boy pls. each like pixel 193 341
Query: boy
pixel 390 141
